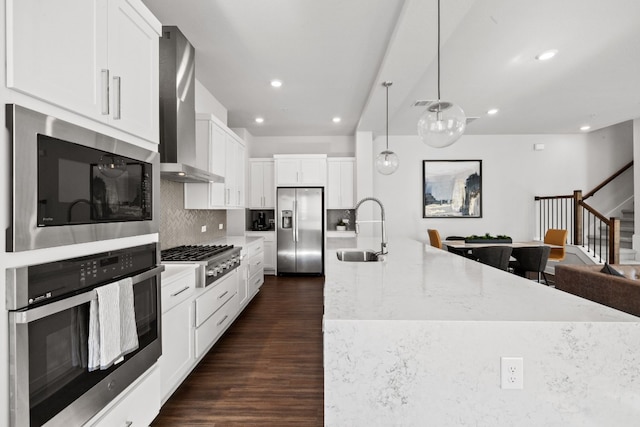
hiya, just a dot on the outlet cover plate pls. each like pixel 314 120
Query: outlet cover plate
pixel 512 373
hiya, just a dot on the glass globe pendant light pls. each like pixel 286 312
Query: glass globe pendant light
pixel 444 122
pixel 387 161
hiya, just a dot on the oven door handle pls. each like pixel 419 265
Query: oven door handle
pixel 20 317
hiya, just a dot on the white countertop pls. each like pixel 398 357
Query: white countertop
pixel 236 240
pixel 172 271
pixel 419 282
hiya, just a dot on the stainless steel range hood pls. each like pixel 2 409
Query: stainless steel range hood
pixel 178 152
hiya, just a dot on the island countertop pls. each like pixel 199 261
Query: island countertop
pixel 425 338
pixel 420 282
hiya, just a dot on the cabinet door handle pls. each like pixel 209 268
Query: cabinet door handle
pixel 223 319
pixel 128 423
pixel 105 92
pixel 222 296
pixel 238 197
pixel 175 294
pixel 297 176
pixel 116 98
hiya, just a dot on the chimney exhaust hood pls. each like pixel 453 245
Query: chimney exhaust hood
pixel 178 150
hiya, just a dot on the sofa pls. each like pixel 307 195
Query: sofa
pixel 587 281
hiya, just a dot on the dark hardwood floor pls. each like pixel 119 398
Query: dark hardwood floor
pixel 267 368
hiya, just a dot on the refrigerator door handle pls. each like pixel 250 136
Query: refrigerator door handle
pixel 294 226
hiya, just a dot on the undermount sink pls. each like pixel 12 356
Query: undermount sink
pixel 358 255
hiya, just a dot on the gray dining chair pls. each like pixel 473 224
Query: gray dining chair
pixel 533 259
pixel 495 256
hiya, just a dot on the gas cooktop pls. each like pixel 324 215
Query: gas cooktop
pixel 194 252
pixel 215 260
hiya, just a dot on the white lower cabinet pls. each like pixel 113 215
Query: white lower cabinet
pixel 255 282
pixel 178 349
pixel 216 308
pixel 193 319
pixel 268 248
pixel 270 255
pixel 256 267
pixel 137 406
pixel 214 326
pixel 243 278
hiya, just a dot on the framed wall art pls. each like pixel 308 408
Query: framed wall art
pixel 452 188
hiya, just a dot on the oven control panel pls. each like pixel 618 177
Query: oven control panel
pixel 44 282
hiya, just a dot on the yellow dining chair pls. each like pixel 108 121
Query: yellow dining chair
pixel 434 238
pixel 557 237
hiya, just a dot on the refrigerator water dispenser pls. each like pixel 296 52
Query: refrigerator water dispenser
pixel 286 218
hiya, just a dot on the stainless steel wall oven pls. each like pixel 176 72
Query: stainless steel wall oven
pixel 51 378
pixel 73 185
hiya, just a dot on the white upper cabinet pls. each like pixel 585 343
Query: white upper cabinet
pixel 134 69
pixel 98 58
pixel 238 172
pixel 223 154
pixel 301 170
pixel 340 183
pixel 261 186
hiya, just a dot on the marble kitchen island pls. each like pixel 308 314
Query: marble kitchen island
pixel 417 340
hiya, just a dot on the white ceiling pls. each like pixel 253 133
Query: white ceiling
pixel 333 55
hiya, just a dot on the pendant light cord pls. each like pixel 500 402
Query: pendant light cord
pixel 438 50
pixel 387 86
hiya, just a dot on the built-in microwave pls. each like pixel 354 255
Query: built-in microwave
pixel 73 185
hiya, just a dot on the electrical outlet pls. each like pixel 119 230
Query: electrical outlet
pixel 220 226
pixel 512 373
pixel 203 229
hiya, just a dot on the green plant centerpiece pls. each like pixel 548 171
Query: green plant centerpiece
pixel 488 238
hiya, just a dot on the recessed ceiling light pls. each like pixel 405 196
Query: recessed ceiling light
pixel 585 128
pixel 546 55
pixel 259 120
pixel 337 120
pixel 492 111
pixel 276 83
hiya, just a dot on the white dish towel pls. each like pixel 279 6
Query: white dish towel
pixel 112 325
pixel 128 330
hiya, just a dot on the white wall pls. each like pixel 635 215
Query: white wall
pixel 618 140
pixel 332 146
pixel 512 175
pixel 207 103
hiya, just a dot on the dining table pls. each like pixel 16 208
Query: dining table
pixel 461 244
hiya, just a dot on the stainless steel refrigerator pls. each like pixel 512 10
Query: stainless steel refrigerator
pixel 300 218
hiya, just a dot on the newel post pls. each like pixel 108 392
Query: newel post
pixel 577 217
pixel 614 241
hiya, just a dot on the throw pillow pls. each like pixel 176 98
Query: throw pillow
pixel 607 269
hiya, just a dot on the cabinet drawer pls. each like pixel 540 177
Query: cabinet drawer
pixel 211 301
pixel 138 407
pixel 214 326
pixel 255 282
pixel 178 290
pixel 256 248
pixel 256 264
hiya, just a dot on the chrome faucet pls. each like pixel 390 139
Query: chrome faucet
pixel 383 244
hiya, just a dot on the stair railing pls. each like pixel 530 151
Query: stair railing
pixel 572 213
